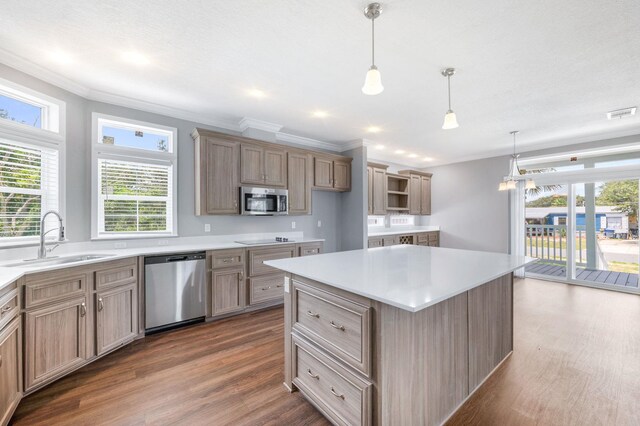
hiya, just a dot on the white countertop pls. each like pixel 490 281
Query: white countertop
pixel 406 276
pixel 399 230
pixel 10 274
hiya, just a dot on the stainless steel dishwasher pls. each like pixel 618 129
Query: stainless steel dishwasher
pixel 174 290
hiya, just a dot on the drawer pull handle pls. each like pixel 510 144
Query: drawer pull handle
pixel 339 327
pixel 266 288
pixel 278 285
pixel 226 260
pixel 100 304
pixel 335 394
pixel 311 314
pixel 315 376
pixel 5 310
pixel 83 309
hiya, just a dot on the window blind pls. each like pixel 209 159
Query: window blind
pixel 134 197
pixel 29 186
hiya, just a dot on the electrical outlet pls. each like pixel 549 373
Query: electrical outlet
pixel 120 245
pixel 293 225
pixel 207 227
pixel 163 242
pixel 319 224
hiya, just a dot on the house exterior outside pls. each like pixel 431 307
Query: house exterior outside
pixel 608 221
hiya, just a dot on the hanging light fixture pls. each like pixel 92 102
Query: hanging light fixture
pixel 450 121
pixel 373 80
pixel 511 181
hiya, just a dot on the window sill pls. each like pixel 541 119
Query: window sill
pixel 29 243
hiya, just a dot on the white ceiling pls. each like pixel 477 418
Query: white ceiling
pixel 551 69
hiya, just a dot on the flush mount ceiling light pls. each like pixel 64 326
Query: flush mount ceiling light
pixel 511 181
pixel 320 114
pixel 135 58
pixel 373 80
pixel 256 93
pixel 450 121
pixel 374 129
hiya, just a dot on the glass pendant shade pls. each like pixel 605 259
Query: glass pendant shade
pixel 502 186
pixel 530 184
pixel 372 82
pixel 450 121
pixel 511 184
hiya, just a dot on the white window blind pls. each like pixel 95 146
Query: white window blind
pixel 29 187
pixel 134 198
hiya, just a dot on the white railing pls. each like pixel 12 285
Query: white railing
pixel 549 242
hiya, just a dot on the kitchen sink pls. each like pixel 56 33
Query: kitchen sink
pixel 61 260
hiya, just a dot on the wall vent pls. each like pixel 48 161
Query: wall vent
pixel 621 113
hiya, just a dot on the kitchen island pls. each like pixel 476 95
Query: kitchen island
pixel 396 335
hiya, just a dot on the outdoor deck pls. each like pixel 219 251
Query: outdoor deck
pixel 621 279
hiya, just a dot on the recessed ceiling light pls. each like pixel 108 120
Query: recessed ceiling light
pixel 320 113
pixel 379 147
pixel 256 93
pixel 374 129
pixel 427 159
pixel 413 155
pixel 399 151
pixel 60 56
pixel 135 58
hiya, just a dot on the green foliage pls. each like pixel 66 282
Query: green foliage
pixel 623 194
pixel 554 201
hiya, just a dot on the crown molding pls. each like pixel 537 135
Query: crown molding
pixel 356 143
pixel 253 123
pixel 301 140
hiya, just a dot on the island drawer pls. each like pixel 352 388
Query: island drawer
pixel 9 307
pixel 340 326
pixel 266 288
pixel 257 257
pixel 338 393
pixel 226 258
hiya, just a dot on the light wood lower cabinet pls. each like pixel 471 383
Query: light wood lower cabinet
pixel 227 290
pixel 55 340
pixel 116 317
pixel 10 367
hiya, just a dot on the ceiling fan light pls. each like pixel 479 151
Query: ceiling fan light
pixel 502 186
pixel 530 184
pixel 372 82
pixel 450 120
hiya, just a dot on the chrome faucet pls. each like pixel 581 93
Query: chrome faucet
pixel 42 251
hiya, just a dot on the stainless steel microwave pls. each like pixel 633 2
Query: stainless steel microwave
pixel 264 201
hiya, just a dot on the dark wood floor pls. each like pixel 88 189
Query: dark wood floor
pixel 576 362
pixel 616 279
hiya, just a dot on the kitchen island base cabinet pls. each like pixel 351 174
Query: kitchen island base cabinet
pixel 425 363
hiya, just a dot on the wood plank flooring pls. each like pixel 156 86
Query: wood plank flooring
pixel 576 361
pixel 221 373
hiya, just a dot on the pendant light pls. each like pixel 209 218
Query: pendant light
pixel 511 181
pixel 450 121
pixel 373 80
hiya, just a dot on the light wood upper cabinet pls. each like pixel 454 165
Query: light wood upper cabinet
pixel 419 192
pixel 216 169
pixel 332 173
pixel 263 166
pixel 252 164
pixel 323 173
pixel 227 290
pixel 116 317
pixel 299 177
pixel 342 175
pixel 55 340
pixel 377 188
pixel 370 190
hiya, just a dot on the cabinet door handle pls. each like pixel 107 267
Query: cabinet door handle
pixel 100 304
pixel 279 285
pixel 315 376
pixel 339 327
pixel 341 396
pixel 311 314
pixel 0 360
pixel 83 309
pixel 241 275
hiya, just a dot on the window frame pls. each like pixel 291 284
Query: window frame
pixel 49 137
pixel 101 151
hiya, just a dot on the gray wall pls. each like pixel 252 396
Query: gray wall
pixel 468 207
pixel 354 203
pixel 326 206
